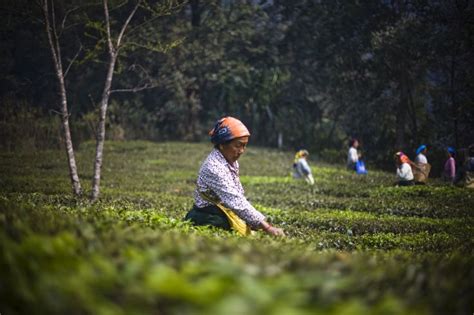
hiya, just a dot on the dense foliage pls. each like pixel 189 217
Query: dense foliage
pixel 355 245
pixel 394 73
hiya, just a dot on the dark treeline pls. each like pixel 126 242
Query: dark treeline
pixel 299 73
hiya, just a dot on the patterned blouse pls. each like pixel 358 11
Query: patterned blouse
pixel 222 178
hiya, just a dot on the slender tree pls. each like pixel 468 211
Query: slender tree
pixel 113 46
pixel 53 40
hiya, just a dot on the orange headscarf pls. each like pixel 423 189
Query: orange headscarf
pixel 226 129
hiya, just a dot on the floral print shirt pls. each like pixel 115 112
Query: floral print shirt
pixel 222 178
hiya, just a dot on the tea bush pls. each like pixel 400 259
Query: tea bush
pixel 355 245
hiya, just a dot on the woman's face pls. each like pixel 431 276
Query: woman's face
pixel 234 149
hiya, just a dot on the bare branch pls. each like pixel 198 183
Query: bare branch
pixel 124 27
pixel 92 100
pixel 150 83
pixel 135 89
pixel 119 5
pixel 66 15
pixel 72 25
pixel 73 60
pixel 134 66
pixel 55 112
pixel 107 26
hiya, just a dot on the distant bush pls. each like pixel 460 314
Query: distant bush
pixel 24 127
pixel 333 156
pixel 27 128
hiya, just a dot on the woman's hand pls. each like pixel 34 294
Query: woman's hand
pixel 275 231
pixel 272 230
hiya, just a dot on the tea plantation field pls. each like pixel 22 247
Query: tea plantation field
pixel 355 244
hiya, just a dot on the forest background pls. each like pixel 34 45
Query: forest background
pixel 299 73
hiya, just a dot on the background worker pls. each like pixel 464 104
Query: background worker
pixel 449 170
pixel 404 172
pixel 352 155
pixel 301 168
pixel 421 167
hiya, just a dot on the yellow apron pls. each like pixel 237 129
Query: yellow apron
pixel 236 223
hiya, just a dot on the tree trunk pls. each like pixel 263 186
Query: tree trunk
pixel 56 54
pixel 113 50
pixel 75 182
pixel 100 139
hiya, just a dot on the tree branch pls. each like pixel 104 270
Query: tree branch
pixel 150 83
pixel 55 112
pixel 134 66
pixel 107 26
pixel 124 27
pixel 135 89
pixel 63 23
pixel 119 5
pixel 92 100
pixel 73 60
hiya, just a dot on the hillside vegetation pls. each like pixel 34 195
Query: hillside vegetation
pixel 355 245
